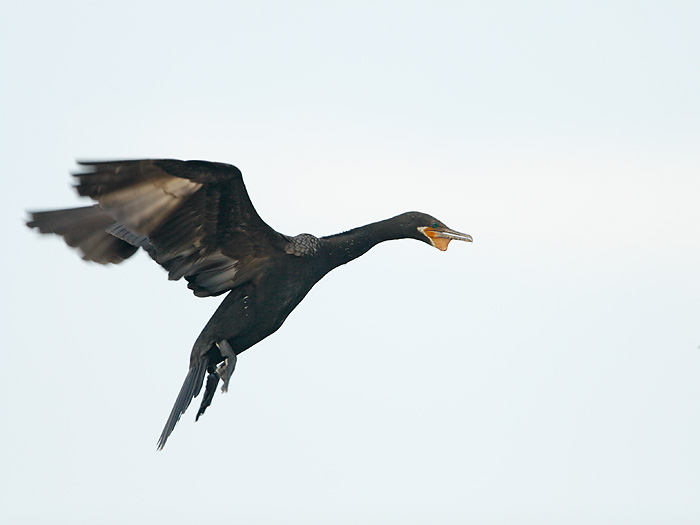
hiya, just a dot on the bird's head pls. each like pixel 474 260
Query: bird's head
pixel 428 229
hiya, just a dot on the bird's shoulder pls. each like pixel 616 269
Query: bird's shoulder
pixel 303 245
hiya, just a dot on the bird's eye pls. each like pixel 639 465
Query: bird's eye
pixel 435 225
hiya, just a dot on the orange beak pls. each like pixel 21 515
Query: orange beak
pixel 441 237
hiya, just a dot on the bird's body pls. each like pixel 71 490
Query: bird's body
pixel 196 220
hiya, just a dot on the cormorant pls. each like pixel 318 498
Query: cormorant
pixel 195 219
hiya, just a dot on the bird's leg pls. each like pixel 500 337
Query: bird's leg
pixel 209 391
pixel 223 372
pixel 226 368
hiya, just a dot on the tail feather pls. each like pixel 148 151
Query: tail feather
pixel 85 228
pixel 190 389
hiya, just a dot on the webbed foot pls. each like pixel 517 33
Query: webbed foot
pixel 209 391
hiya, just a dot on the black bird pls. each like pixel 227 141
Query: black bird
pixel 195 219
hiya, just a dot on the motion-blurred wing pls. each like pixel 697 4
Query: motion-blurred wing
pixel 85 229
pixel 194 218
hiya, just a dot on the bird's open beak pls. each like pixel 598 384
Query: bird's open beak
pixel 441 237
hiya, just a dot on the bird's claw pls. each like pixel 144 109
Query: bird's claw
pixel 226 368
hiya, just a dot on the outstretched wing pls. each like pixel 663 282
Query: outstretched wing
pixel 194 218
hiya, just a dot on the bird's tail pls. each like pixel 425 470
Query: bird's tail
pixel 190 389
pixel 86 229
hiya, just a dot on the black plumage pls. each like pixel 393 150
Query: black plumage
pixel 195 219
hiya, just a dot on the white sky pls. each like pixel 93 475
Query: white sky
pixel 546 374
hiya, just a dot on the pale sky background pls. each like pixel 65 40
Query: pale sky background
pixel 546 374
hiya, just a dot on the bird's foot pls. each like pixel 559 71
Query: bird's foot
pixel 226 368
pixel 209 391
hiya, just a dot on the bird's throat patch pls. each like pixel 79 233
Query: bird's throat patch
pixel 440 243
pixel 435 239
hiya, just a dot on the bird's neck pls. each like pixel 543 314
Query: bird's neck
pixel 345 247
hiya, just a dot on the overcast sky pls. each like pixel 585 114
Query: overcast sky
pixel 547 373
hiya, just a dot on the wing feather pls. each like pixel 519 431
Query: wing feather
pixel 194 218
pixel 86 229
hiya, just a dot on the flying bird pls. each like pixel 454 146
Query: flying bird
pixel 195 219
